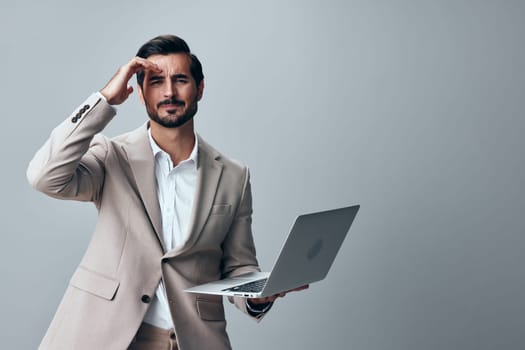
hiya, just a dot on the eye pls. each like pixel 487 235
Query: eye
pixel 155 80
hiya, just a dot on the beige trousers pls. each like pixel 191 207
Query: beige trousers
pixel 153 338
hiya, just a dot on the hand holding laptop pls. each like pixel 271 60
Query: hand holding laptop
pixel 272 298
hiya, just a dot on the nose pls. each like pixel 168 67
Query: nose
pixel 169 89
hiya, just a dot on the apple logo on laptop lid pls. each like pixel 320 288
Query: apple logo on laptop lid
pixel 315 249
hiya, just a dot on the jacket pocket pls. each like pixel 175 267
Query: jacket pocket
pixel 94 283
pixel 210 310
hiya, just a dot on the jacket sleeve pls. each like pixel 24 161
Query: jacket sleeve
pixel 239 254
pixel 70 163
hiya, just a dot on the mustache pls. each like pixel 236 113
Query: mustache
pixel 171 101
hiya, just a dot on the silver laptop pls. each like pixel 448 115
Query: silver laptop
pixel 306 257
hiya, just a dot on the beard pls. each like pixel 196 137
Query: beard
pixel 172 121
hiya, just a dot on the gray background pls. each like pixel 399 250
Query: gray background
pixel 413 109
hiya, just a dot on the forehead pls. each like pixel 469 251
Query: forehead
pixel 172 63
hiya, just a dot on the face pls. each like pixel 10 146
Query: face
pixel 170 96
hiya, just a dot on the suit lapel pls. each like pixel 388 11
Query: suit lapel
pixel 209 171
pixel 142 163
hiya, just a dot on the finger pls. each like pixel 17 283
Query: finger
pixel 275 296
pixel 271 299
pixel 300 288
pixel 139 63
pixel 265 300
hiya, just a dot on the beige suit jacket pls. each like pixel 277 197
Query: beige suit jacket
pixel 110 291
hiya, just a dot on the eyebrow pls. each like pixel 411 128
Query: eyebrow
pixel 174 76
pixel 155 77
pixel 179 75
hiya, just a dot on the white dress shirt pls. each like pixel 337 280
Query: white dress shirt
pixel 175 191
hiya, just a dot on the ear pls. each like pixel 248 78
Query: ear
pixel 200 90
pixel 141 94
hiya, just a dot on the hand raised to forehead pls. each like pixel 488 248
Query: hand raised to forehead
pixel 117 89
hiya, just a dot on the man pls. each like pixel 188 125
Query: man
pixel 173 213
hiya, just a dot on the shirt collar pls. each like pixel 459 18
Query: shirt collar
pixel 193 155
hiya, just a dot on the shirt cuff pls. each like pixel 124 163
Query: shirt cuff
pixel 99 94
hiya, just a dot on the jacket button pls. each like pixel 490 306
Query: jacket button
pixel 145 299
pixel 172 335
pixel 74 119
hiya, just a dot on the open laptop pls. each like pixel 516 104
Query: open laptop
pixel 306 257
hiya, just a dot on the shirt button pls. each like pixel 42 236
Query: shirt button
pixel 145 299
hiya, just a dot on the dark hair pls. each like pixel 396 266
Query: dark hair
pixel 165 45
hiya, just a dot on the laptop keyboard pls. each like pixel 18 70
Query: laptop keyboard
pixel 251 287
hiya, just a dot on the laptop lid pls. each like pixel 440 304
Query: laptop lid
pixel 310 249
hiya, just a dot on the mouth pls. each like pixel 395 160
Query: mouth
pixel 170 108
pixel 171 104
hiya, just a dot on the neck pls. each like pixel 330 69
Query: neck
pixel 177 142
